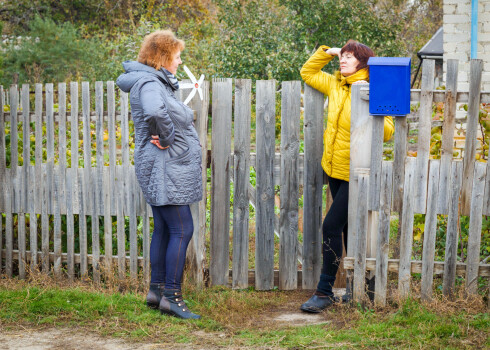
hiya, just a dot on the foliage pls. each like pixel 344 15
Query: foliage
pixel 264 40
pixel 57 53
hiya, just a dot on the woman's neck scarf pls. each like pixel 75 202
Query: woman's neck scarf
pixel 172 79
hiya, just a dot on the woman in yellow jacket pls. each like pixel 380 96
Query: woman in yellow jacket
pixel 336 142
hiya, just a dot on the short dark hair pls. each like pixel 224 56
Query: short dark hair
pixel 360 51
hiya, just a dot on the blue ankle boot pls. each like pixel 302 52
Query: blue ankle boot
pixel 173 304
pixel 154 295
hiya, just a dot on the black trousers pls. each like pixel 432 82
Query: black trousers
pixel 334 224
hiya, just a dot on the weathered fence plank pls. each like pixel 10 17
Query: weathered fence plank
pixel 98 178
pixel 71 175
pixel 312 187
pixel 62 145
pixel 265 136
pixel 109 186
pixel 56 224
pixel 474 232
pixel 196 250
pixel 448 135
pixel 428 253
pixel 38 157
pixel 452 230
pixel 401 134
pixel 376 160
pixel 3 170
pixel 486 197
pixel 476 68
pixel 14 153
pixel 361 237
pixel 85 195
pixel 220 181
pixel 288 240
pixel 24 181
pixel 406 239
pixel 384 233
pixel 132 188
pixel 423 143
pixel 241 181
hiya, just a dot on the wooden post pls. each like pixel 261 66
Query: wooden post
pixel 361 134
pixel 24 183
pixel 452 230
pixel 448 135
pixel 401 134
pixel 196 250
pixel 476 67
pixel 220 181
pixel 49 192
pixel 406 239
pixel 312 187
pixel 85 198
pixel 474 233
pixel 423 143
pixel 38 115
pixel 3 170
pixel 241 180
pixel 429 246
pixel 265 136
pixel 361 235
pixel 110 177
pixel 290 113
pixel 384 234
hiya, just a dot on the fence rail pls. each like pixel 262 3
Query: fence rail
pixel 87 186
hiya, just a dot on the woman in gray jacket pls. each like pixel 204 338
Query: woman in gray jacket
pixel 167 160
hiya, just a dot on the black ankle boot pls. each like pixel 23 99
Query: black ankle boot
pixel 173 304
pixel 154 295
pixel 318 303
pixel 323 296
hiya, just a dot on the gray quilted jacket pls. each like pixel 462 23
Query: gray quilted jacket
pixel 173 175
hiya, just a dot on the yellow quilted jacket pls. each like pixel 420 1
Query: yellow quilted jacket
pixel 336 138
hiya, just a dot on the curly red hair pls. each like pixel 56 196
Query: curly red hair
pixel 360 51
pixel 158 48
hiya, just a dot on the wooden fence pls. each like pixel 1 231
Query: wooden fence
pixel 410 185
pixel 105 188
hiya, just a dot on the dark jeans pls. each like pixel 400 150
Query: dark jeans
pixel 173 228
pixel 334 224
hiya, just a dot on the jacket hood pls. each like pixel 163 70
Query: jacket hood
pixel 134 71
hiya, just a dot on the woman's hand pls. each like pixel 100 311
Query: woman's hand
pixel 334 51
pixel 156 142
pixel 360 82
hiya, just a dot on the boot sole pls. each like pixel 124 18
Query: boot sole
pixel 171 313
pixel 152 306
pixel 311 311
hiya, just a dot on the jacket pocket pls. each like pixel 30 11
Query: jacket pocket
pixel 183 178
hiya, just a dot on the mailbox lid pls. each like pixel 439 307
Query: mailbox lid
pixel 389 61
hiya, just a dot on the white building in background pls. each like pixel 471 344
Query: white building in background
pixel 457 22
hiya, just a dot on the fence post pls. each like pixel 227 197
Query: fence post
pixel 196 250
pixel 360 157
pixel 312 187
pixel 290 113
pixel 265 136
pixel 476 68
pixel 241 180
pixel 220 181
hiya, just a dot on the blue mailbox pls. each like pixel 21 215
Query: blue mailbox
pixel 389 85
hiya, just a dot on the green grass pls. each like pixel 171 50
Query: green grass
pixel 244 319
